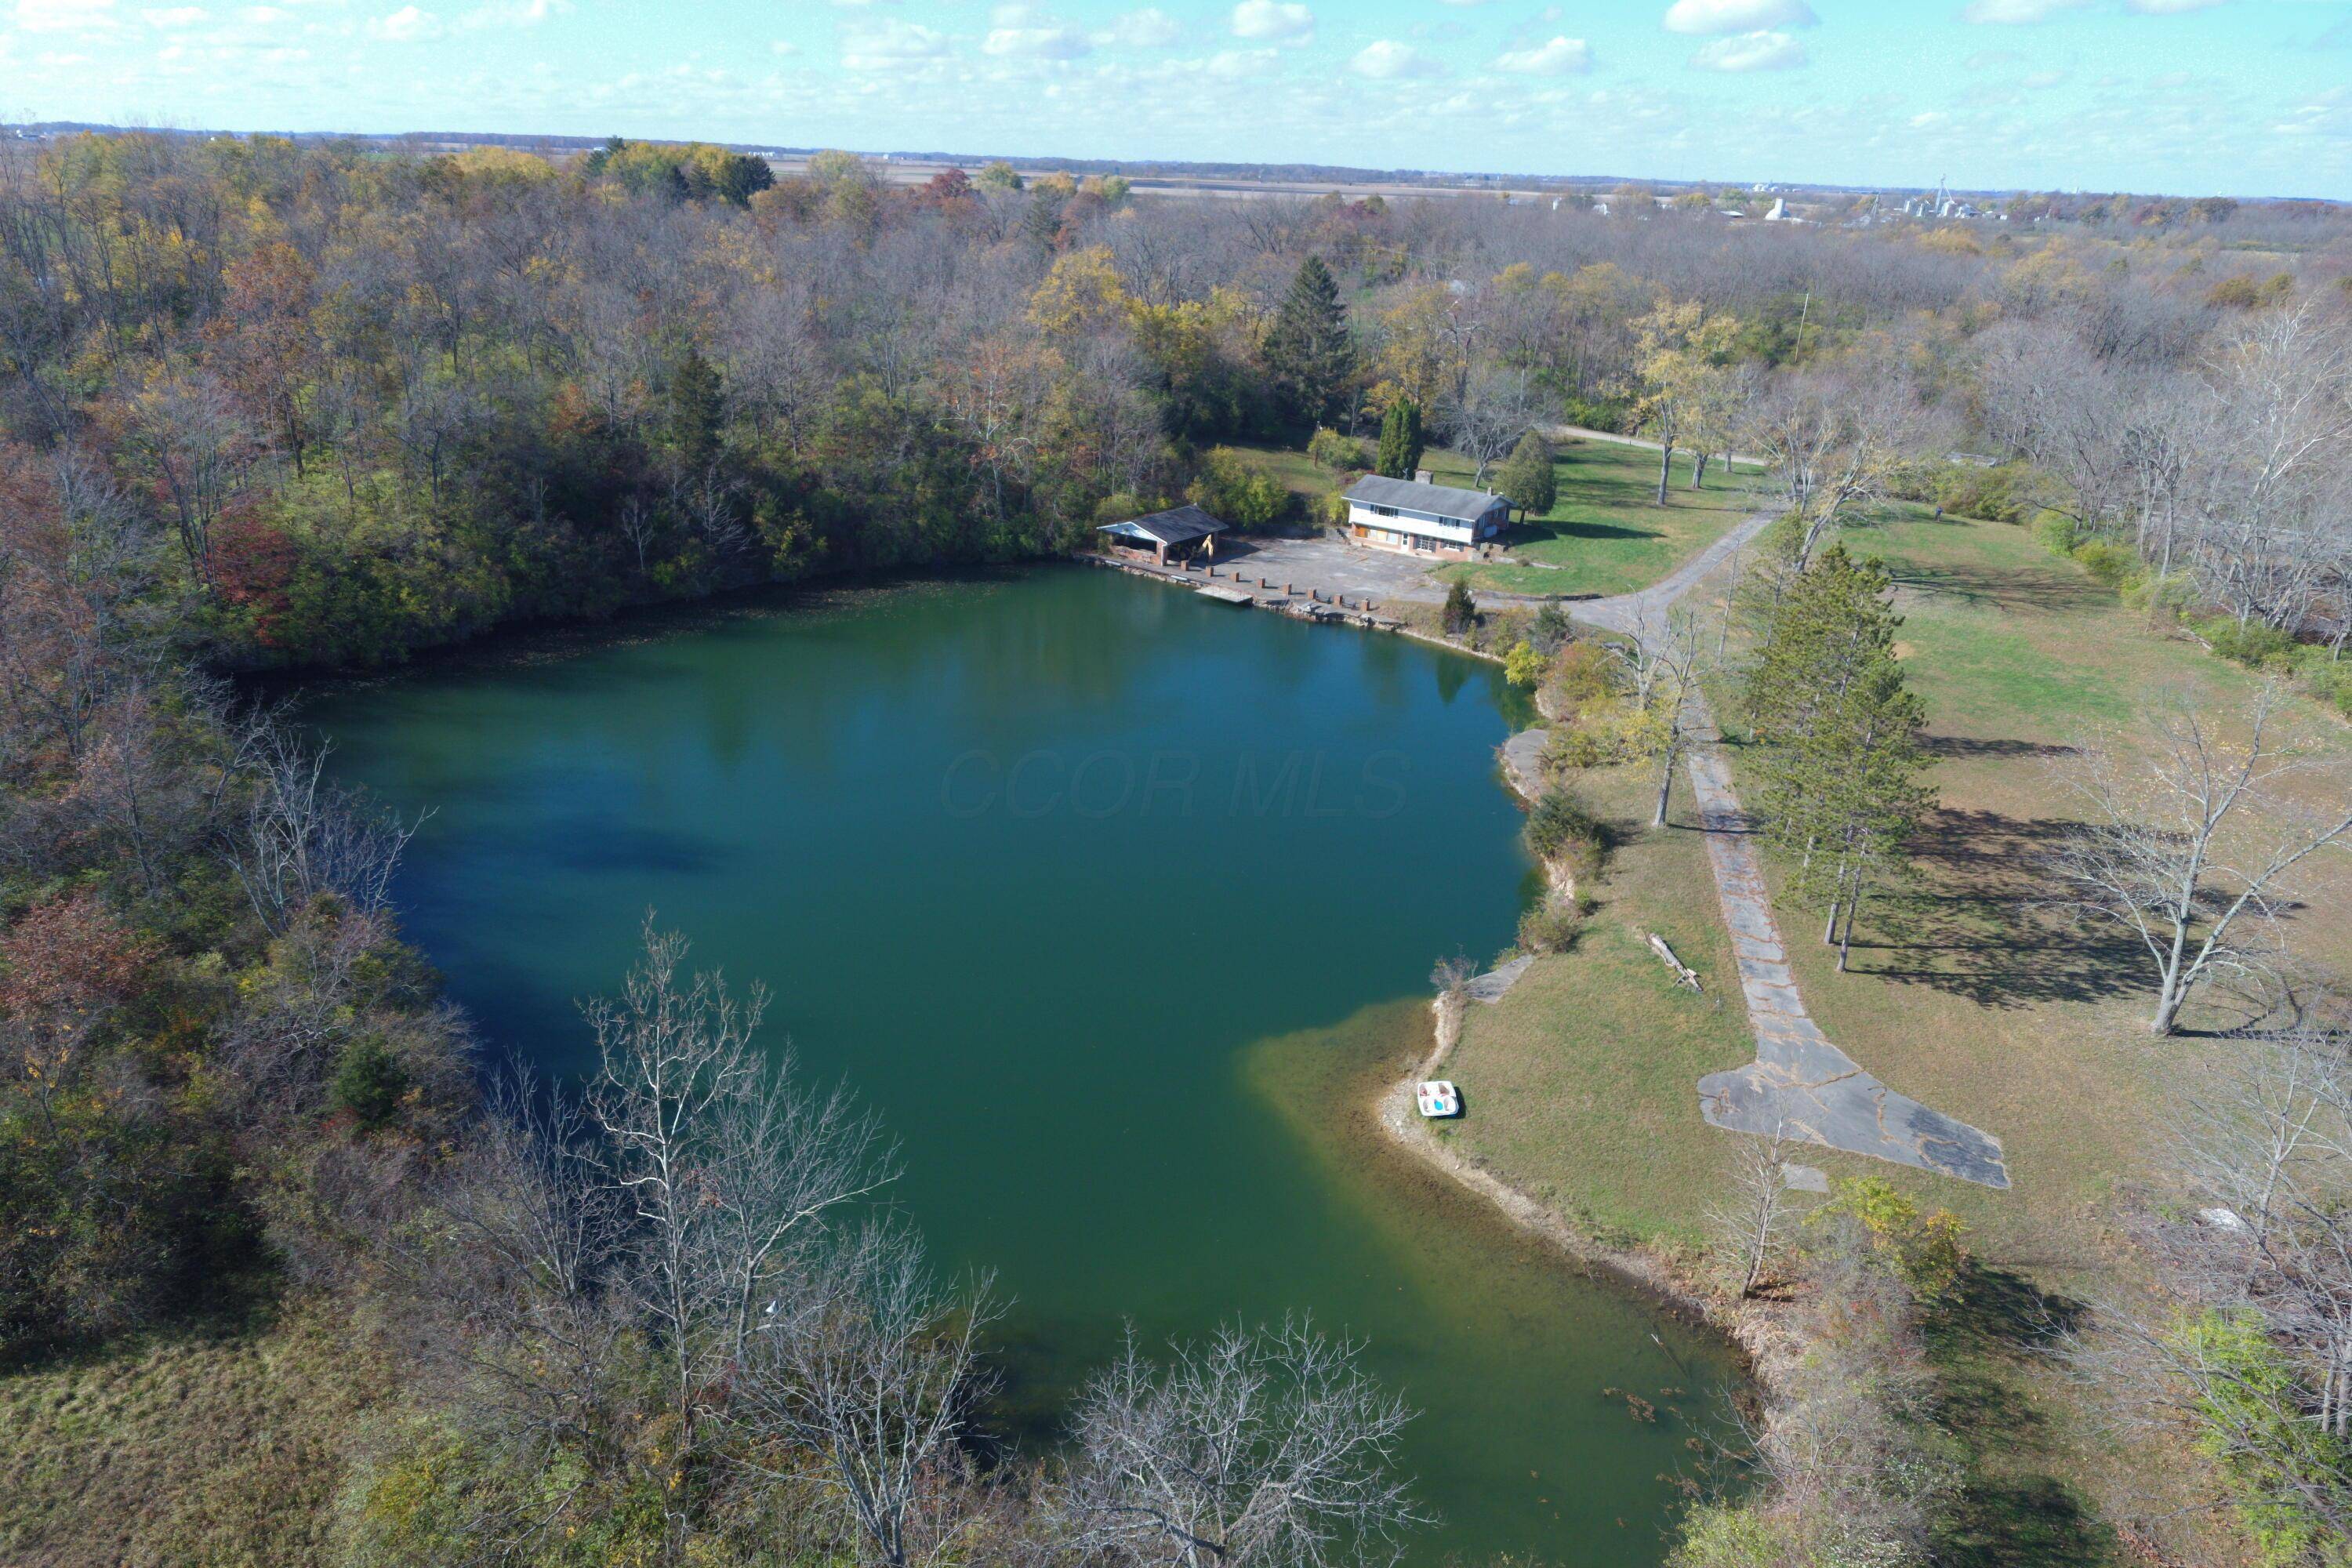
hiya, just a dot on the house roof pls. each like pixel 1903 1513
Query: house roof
pixel 1411 495
pixel 1171 527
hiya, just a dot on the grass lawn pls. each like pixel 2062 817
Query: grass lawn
pixel 1581 1076
pixel 213 1444
pixel 1607 534
pixel 1295 471
pixel 1963 995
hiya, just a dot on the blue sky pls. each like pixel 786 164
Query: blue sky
pixel 2179 96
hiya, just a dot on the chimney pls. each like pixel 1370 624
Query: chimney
pixel 1420 476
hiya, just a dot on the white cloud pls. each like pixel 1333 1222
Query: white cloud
pixel 2016 13
pixel 1750 52
pixel 65 16
pixel 1281 20
pixel 1737 15
pixel 2170 8
pixel 1561 56
pixel 177 16
pixel 1149 28
pixel 783 47
pixel 1050 42
pixel 406 25
pixel 1240 62
pixel 514 14
pixel 264 16
pixel 1024 30
pixel 1385 58
pixel 890 44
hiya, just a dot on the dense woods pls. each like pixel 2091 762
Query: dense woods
pixel 270 405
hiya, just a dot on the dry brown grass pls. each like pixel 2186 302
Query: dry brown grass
pixel 215 1446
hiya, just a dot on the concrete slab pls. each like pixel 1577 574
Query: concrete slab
pixel 1496 983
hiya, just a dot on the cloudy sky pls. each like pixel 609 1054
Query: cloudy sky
pixel 2248 97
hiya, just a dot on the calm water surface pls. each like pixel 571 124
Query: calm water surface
pixel 1110 900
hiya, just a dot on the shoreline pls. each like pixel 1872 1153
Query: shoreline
pixel 1769 1349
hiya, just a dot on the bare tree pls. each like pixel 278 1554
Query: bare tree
pixel 2190 838
pixel 862 1385
pixel 304 837
pixel 2270 525
pixel 2247 1345
pixel 1261 1447
pixel 189 434
pixel 1752 1222
pixel 711 505
pixel 1488 418
pixel 731 1173
pixel 775 371
pixel 1836 440
pixel 1664 663
pixel 640 526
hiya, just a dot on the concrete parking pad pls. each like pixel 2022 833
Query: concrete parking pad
pixel 1334 566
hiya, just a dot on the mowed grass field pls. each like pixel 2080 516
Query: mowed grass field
pixel 1578 1083
pixel 1606 533
pixel 1968 992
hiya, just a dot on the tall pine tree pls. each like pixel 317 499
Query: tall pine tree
pixel 1527 481
pixel 1307 352
pixel 1401 440
pixel 697 411
pixel 1839 734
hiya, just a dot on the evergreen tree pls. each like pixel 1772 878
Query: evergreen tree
pixel 1307 352
pixel 1461 611
pixel 1401 439
pixel 1841 756
pixel 1041 221
pixel 1527 480
pixel 697 410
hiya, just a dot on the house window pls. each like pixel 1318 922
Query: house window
pixel 1383 511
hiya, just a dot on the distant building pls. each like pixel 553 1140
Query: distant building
pixel 1176 534
pixel 1422 518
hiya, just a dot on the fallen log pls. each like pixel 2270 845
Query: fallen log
pixel 1684 974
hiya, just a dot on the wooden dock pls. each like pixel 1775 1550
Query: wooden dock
pixel 1232 585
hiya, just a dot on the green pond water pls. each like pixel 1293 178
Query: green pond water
pixel 1113 902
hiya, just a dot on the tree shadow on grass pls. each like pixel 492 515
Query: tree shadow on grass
pixel 1528 534
pixel 2007 1514
pixel 2033 1521
pixel 1982 922
pixel 2006 588
pixel 1959 748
